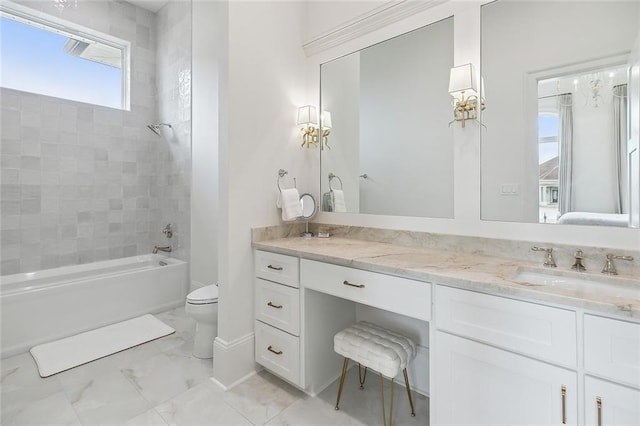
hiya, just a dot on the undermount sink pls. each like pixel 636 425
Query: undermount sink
pixel 581 283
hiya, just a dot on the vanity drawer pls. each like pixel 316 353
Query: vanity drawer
pixel 278 305
pixel 278 351
pixel 539 331
pixel 394 294
pixel 612 349
pixel 277 267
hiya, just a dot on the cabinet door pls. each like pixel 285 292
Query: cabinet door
pixel 609 404
pixel 476 384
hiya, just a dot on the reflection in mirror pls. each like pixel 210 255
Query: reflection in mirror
pixel 561 144
pixel 391 151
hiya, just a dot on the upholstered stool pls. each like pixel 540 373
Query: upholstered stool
pixel 379 349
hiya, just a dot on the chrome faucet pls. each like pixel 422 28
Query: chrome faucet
pixel 166 249
pixel 577 265
pixel 549 262
pixel 609 268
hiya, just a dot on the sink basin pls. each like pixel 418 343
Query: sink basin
pixel 580 283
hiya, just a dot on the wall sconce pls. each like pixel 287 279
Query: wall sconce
pixel 325 121
pixel 308 118
pixel 462 80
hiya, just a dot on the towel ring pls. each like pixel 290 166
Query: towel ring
pixel 281 174
pixel 331 176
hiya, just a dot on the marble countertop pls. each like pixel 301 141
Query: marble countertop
pixel 472 271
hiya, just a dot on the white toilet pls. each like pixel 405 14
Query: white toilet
pixel 202 305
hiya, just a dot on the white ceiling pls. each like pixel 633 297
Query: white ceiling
pixel 152 5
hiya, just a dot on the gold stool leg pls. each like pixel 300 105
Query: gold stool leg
pixel 384 414
pixel 406 382
pixel 360 377
pixel 344 372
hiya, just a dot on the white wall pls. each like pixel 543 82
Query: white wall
pixel 261 86
pixel 207 46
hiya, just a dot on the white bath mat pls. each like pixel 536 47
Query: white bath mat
pixel 73 351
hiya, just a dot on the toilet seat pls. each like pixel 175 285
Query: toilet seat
pixel 204 295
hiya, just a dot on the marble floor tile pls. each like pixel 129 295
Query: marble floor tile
pixel 365 406
pixel 52 410
pixel 314 412
pixel 106 399
pixel 178 319
pixel 167 374
pixel 200 405
pixel 21 384
pixel 148 418
pixel 262 397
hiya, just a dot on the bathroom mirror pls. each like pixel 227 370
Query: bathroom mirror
pixel 389 150
pixel 561 137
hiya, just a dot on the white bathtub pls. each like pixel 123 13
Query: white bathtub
pixel 38 307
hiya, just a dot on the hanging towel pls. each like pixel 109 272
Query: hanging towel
pixel 291 205
pixel 338 201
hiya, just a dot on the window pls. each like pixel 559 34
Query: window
pixel 548 127
pixel 45 55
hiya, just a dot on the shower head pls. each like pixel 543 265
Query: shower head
pixel 155 128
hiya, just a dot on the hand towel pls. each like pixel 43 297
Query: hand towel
pixel 338 201
pixel 291 205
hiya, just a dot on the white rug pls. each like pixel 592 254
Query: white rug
pixel 73 351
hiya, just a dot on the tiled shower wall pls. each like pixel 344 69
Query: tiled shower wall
pixel 82 183
pixel 173 81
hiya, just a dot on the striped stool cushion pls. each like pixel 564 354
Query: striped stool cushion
pixel 375 347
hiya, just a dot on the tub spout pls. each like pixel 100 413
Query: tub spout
pixel 166 249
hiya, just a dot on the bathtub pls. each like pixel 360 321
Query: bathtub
pixel 43 306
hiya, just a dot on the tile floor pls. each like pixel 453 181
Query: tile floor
pixel 160 383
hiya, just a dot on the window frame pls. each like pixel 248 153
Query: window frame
pixel 79 32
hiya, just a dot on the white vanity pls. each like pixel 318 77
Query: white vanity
pixel 500 352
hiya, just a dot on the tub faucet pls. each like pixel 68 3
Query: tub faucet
pixel 549 262
pixel 166 249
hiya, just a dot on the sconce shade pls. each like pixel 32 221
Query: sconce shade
pixel 463 79
pixel 325 119
pixel 307 115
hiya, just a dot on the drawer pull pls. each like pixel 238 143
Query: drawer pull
pixel 563 391
pixel 345 282
pixel 599 405
pixel 275 268
pixel 270 349
pixel 274 306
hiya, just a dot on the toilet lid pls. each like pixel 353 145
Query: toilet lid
pixel 206 294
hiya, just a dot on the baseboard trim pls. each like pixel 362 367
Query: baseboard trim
pixel 234 361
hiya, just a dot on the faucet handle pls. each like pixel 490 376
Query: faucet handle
pixel 549 262
pixel 609 267
pixel 168 231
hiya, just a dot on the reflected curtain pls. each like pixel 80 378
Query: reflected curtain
pixel 565 136
pixel 620 148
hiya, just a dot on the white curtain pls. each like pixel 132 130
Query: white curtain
pixel 565 135
pixel 620 148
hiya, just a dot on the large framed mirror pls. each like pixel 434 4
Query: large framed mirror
pixel 561 137
pixel 389 150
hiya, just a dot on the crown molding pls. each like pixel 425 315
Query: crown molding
pixel 373 20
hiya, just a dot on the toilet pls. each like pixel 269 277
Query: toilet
pixel 202 305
